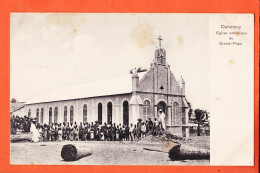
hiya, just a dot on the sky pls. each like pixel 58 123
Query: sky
pixel 54 50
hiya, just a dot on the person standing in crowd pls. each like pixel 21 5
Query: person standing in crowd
pixel 123 132
pixel 131 131
pixel 34 131
pixel 158 128
pixel 45 133
pixel 139 126
pixel 113 132
pixel 49 133
pixel 105 131
pixel 127 133
pixel 88 132
pixel 75 125
pixel 135 131
pixel 56 132
pixel 76 133
pixel 102 136
pixel 59 132
pixel 63 128
pixel 150 125
pixel 40 129
pixel 95 132
pixel 92 137
pixel 110 133
pixel 80 131
pixel 147 127
pixel 98 135
pixel 71 132
pixel 154 129
pixel 52 132
pixel 68 132
pixel 117 133
pixel 161 118
pixel 156 121
pixel 143 130
pixel 96 125
pixel 85 132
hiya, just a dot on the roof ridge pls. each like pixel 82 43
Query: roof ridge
pixel 112 86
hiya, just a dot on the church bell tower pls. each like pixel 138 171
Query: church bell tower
pixel 160 54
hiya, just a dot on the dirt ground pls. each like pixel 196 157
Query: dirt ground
pixel 104 153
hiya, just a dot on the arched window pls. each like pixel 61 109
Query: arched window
pixel 146 109
pixel 85 113
pixel 37 115
pixel 42 111
pixel 29 113
pixel 56 115
pixel 50 115
pixel 71 114
pixel 109 113
pixel 65 114
pixel 125 113
pixel 176 113
pixel 100 113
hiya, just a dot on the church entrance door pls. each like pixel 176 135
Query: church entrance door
pixel 109 113
pixel 125 113
pixel 162 105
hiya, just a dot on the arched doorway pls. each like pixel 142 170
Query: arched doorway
pixel 55 115
pixel 65 114
pixel 42 110
pixel 100 113
pixel 50 115
pixel 71 114
pixel 37 115
pixel 109 113
pixel 125 113
pixel 85 113
pixel 162 105
pixel 29 113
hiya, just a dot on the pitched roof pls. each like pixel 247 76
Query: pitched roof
pixel 16 106
pixel 120 85
pixel 185 104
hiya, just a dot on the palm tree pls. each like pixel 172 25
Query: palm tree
pixel 201 117
pixel 190 110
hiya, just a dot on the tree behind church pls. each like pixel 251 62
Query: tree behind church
pixel 201 116
pixel 13 100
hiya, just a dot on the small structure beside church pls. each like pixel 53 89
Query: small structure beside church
pixel 140 94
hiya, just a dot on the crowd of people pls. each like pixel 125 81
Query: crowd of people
pixel 22 124
pixel 88 131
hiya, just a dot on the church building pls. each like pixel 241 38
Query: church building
pixel 124 100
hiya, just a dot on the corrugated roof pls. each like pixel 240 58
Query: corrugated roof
pixel 120 85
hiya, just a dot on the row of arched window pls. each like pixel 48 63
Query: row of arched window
pixel 40 114
pixel 175 113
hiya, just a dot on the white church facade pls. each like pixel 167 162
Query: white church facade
pixel 120 100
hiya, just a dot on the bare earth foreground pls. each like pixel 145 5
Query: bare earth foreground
pixel 104 153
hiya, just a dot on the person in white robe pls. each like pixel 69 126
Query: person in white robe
pixel 34 131
pixel 161 118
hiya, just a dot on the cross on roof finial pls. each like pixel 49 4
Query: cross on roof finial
pixel 160 39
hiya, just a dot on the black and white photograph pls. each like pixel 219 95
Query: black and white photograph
pixel 113 89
